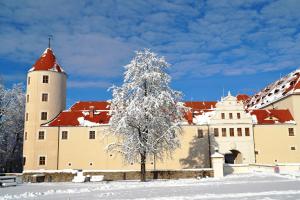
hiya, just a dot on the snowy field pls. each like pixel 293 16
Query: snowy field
pixel 242 187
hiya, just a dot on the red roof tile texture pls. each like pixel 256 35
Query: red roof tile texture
pixel 47 61
pixel 272 116
pixel 80 109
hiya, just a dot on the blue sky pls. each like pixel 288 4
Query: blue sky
pixel 236 45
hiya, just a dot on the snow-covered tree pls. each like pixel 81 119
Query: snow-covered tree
pixel 12 108
pixel 145 112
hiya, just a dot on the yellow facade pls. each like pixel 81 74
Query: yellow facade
pixel 263 144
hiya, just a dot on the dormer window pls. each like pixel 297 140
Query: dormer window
pixel 45 79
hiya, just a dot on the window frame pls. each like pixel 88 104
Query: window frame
pixel 45 79
pixel 46 97
pixel 231 132
pixel 239 132
pixel 200 133
pixel 247 132
pixel 293 132
pixel 222 115
pixel 216 132
pixel 44 117
pixel 64 133
pixel 92 133
pixel 224 132
pixel 44 161
pixel 39 134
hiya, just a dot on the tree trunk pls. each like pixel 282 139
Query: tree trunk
pixel 143 167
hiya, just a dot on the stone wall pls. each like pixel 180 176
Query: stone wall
pixel 118 175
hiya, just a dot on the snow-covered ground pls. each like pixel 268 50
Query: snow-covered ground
pixel 249 186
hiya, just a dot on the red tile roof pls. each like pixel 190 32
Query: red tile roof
pixel 243 97
pixel 82 109
pixel 86 105
pixel 47 61
pixel 273 116
pixel 201 105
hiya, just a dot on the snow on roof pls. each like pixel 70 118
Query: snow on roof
pixel 83 113
pixel 48 62
pixel 79 113
pixel 272 117
pixel 289 84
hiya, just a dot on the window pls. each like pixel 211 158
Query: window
pixel 41 135
pixel 42 160
pixel 24 161
pixel 64 135
pixel 45 79
pixel 291 132
pixel 216 132
pixel 28 80
pixel 200 133
pixel 92 135
pixel 44 97
pixel 25 136
pixel 230 116
pixel 224 132
pixel 256 152
pixel 26 117
pixel 27 98
pixel 238 115
pixel 239 130
pixel 231 132
pixel 247 131
pixel 44 116
pixel 223 115
pixel 293 148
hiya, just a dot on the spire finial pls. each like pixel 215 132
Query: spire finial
pixel 49 40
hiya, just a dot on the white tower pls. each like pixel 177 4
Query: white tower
pixel 45 99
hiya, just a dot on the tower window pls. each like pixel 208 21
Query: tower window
pixel 92 135
pixel 42 160
pixel 230 116
pixel 44 97
pixel 231 132
pixel 28 80
pixel 200 133
pixel 27 98
pixel 216 132
pixel 25 136
pixel 239 130
pixel 44 116
pixel 238 115
pixel 41 135
pixel 224 132
pixel 223 115
pixel 291 132
pixel 24 161
pixel 45 79
pixel 247 131
pixel 26 117
pixel 64 135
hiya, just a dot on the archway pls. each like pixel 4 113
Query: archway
pixel 235 157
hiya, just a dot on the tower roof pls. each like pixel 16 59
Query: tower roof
pixel 47 61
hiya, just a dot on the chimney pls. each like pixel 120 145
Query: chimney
pixel 92 108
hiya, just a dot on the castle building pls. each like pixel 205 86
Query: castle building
pixel 258 129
